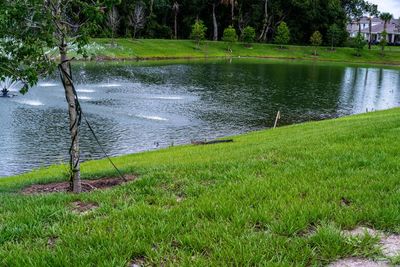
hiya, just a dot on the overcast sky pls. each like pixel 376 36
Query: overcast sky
pixel 391 6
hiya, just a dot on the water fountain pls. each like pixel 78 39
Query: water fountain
pixel 9 85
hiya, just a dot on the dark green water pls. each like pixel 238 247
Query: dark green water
pixel 137 107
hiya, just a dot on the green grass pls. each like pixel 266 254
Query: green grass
pixel 270 198
pixel 129 49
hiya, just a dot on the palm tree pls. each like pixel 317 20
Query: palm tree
pixel 373 12
pixel 386 17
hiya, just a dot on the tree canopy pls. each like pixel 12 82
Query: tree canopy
pixel 303 17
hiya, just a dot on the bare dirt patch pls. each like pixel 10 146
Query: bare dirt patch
pixel 361 231
pixel 389 243
pixel 83 207
pixel 87 185
pixel 138 262
pixel 358 262
pixel 51 242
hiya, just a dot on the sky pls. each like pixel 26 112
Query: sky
pixel 391 6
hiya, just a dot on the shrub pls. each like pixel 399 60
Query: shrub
pixel 359 44
pixel 282 36
pixel 230 37
pixel 383 42
pixel 316 40
pixel 198 32
pixel 248 35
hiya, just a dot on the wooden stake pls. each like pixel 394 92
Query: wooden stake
pixel 278 117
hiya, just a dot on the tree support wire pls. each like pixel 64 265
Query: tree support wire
pixel 73 165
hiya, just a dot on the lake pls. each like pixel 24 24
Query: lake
pixel 142 106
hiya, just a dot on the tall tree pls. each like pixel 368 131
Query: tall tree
pixel 355 9
pixel 34 26
pixel 386 17
pixel 137 18
pixel 372 13
pixel 175 10
pixel 113 22
pixel 266 24
pixel 232 4
pixel 214 19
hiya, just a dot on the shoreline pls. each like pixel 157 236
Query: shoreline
pixel 172 58
pixel 184 144
pixel 142 50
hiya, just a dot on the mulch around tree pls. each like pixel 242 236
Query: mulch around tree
pixel 87 185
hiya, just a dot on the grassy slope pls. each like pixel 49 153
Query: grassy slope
pixel 251 202
pixel 130 49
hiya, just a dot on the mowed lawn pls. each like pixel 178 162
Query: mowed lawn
pixel 130 49
pixel 273 198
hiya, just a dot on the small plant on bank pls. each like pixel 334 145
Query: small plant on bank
pixel 333 36
pixel 316 41
pixel 230 37
pixel 359 44
pixel 198 32
pixel 383 42
pixel 248 36
pixel 282 36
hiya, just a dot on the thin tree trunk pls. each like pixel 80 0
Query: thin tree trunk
pixel 233 11
pixel 75 178
pixel 370 34
pixel 264 32
pixel 176 26
pixel 151 7
pixel 215 23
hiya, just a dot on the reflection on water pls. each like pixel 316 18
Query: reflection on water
pixel 368 89
pixel 132 107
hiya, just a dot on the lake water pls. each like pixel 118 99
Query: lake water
pixel 135 107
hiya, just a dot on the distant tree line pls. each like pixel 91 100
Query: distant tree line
pixel 175 18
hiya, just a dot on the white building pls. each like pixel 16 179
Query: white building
pixel 392 28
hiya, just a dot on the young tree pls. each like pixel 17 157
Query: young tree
pixel 333 36
pixel 27 30
pixel 282 36
pixel 113 22
pixel 175 10
pixel 248 35
pixel 359 44
pixel 383 42
pixel 198 32
pixel 230 37
pixel 316 40
pixel 137 19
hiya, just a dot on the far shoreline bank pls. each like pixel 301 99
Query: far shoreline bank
pixel 164 50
